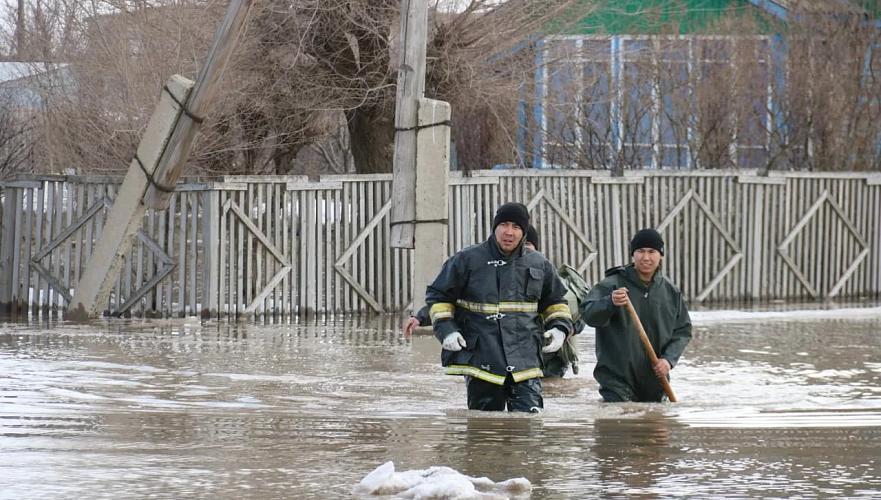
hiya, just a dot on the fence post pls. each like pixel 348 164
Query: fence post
pixel 7 244
pixel 758 240
pixel 211 252
pixel 618 233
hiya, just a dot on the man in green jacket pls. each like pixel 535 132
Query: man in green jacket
pixel 623 369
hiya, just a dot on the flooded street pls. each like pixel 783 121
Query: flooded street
pixel 784 406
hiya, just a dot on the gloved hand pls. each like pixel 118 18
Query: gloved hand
pixel 454 342
pixel 557 338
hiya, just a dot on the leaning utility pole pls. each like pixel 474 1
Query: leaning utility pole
pixel 158 163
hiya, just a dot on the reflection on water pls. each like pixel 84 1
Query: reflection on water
pixel 178 408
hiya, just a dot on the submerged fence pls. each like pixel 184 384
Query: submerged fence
pixel 290 246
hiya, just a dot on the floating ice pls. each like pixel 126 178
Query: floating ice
pixel 437 483
pixel 702 317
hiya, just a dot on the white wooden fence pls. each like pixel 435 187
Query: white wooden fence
pixel 287 246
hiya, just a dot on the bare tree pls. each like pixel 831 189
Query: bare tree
pixel 804 99
pixel 306 67
pixel 41 30
pixel 832 103
pixel 16 129
pixel 302 66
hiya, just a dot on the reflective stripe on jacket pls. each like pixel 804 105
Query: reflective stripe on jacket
pixel 501 306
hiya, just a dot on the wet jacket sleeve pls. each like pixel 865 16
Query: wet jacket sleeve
pixel 423 317
pixel 441 295
pixel 597 308
pixel 681 334
pixel 553 305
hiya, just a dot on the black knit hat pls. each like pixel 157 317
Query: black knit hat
pixel 647 238
pixel 512 212
pixel 532 236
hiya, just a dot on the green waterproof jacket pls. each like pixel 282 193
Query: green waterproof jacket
pixel 622 364
pixel 501 305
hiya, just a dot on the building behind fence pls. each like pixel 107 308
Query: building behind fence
pixel 287 246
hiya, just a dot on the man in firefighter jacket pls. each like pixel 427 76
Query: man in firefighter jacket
pixel 492 307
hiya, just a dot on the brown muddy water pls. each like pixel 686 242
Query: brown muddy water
pixel 775 407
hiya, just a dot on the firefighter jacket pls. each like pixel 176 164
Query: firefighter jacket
pixel 501 305
pixel 622 364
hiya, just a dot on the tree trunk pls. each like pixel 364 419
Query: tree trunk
pixel 20 49
pixel 372 136
pixel 283 159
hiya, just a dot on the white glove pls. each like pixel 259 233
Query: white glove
pixel 557 338
pixel 454 342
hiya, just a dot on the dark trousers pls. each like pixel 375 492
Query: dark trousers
pixel 610 396
pixel 515 396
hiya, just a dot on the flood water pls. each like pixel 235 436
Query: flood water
pixel 178 408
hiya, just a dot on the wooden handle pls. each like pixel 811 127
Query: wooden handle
pixel 649 350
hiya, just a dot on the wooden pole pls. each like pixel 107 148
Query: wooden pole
pixel 411 87
pixel 649 350
pixel 172 162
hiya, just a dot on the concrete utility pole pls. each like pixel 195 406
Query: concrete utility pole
pixel 159 161
pixel 422 157
pixel 432 167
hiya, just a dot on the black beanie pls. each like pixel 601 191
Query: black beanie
pixel 647 238
pixel 512 212
pixel 532 236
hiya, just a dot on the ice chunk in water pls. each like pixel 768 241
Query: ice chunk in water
pixel 438 482
pixel 374 481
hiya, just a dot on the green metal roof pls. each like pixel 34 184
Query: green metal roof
pixel 618 17
pixel 872 7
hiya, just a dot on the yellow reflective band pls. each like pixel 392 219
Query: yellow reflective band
pixel 527 374
pixel 556 311
pixel 476 373
pixel 505 307
pixel 518 307
pixel 441 310
pixel 478 307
